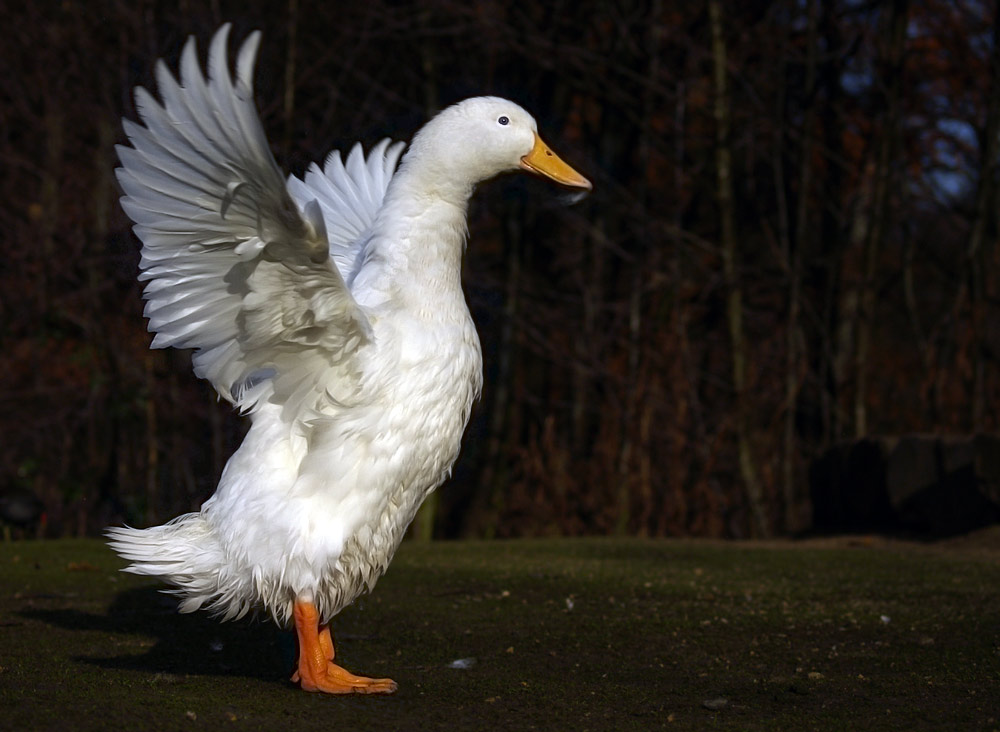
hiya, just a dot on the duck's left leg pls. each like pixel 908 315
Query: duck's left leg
pixel 316 670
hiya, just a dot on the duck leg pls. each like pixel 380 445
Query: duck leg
pixel 316 669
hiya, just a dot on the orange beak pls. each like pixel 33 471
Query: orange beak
pixel 543 161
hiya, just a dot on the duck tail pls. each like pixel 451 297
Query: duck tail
pixel 185 552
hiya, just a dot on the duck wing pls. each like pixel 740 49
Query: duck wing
pixel 349 195
pixel 234 268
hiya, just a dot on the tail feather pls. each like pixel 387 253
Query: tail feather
pixel 185 552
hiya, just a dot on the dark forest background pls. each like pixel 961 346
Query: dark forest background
pixel 792 242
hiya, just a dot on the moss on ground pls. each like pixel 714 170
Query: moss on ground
pixel 563 634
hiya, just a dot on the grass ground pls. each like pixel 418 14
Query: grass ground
pixel 555 635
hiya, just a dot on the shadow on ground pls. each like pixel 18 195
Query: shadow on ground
pixel 190 644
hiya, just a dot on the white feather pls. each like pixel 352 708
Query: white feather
pixel 330 308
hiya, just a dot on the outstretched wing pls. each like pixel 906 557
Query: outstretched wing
pixel 349 195
pixel 234 268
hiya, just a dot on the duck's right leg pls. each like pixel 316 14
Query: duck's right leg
pixel 316 669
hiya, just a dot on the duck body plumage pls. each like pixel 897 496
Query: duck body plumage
pixel 318 506
pixel 330 310
pixel 338 460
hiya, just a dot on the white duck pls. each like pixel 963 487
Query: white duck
pixel 331 310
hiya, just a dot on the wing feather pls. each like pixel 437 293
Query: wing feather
pixel 234 267
pixel 349 196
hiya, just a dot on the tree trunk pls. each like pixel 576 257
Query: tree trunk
pixel 793 363
pixel 55 137
pixel 633 387
pixel 152 442
pixel 883 185
pixel 288 102
pixel 487 504
pixel 734 290
pixel 975 252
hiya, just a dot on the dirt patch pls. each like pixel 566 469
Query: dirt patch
pixel 846 633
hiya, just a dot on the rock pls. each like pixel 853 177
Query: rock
pixel 20 506
pixel 912 468
pixel 826 476
pixel 926 484
pixel 943 486
pixel 987 466
pixel 847 484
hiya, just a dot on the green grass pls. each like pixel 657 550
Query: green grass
pixel 566 634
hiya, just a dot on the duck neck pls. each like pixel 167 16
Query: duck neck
pixel 419 237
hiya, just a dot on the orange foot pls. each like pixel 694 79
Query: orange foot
pixel 316 670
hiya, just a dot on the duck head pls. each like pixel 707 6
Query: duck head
pixel 482 137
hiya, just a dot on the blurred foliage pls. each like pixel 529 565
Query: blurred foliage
pixel 864 201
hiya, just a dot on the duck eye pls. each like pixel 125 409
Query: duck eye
pixel 503 120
